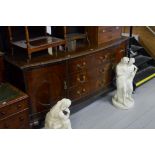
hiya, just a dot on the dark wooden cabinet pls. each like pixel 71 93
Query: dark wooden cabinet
pixel 1 68
pixel 77 75
pixel 14 108
pixel 101 34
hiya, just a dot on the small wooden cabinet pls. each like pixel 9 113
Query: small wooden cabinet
pixel 101 34
pixel 14 111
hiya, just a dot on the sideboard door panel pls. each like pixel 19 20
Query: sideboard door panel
pixel 45 86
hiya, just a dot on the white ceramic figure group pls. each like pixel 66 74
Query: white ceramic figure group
pixel 58 116
pixel 125 72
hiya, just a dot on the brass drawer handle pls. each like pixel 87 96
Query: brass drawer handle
pixel 102 59
pixel 82 80
pixel 81 66
pixel 122 51
pixel 19 106
pixel 84 63
pixel 83 90
pixel 107 56
pixel 78 92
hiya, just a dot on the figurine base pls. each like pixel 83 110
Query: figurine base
pixel 129 104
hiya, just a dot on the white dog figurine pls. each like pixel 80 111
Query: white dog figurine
pixel 58 116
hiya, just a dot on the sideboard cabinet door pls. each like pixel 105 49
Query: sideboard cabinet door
pixel 45 86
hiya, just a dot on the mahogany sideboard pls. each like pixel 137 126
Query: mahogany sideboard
pixel 77 75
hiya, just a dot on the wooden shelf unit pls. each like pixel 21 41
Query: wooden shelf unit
pixel 34 44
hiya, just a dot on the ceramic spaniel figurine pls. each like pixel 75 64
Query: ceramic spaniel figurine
pixel 58 116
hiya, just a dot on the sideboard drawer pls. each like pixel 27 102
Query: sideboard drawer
pixel 17 121
pixel 13 108
pixel 77 65
pixel 78 92
pixel 78 79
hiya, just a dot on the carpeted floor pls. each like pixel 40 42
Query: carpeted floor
pixel 101 114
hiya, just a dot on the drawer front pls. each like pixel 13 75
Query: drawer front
pixel 77 65
pixel 106 34
pixel 100 71
pixel 13 108
pixel 79 92
pixel 103 57
pixel 17 121
pixel 78 79
pixel 102 81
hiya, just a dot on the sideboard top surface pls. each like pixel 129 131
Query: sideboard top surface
pixel 59 56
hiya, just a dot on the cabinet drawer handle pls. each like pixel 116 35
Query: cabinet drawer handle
pixel 103 30
pixel 107 56
pixel 102 58
pixel 84 63
pixel 3 113
pixel 122 51
pixel 83 90
pixel 78 92
pixel 82 80
pixel 19 106
pixel 81 66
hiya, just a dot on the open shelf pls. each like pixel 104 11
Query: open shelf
pixel 40 43
pixel 33 44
